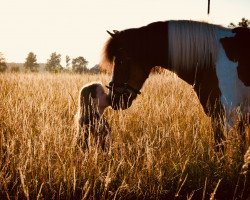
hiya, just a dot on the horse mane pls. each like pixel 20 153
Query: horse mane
pixel 192 44
pixel 179 44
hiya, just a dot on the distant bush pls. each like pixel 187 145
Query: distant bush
pixel 3 66
pixel 15 69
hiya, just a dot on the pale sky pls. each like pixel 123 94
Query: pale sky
pixel 78 27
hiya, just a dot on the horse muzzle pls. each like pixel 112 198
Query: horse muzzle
pixel 120 101
pixel 121 97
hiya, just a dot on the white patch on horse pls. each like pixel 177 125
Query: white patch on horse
pixel 235 96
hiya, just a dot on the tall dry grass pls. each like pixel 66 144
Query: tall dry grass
pixel 162 145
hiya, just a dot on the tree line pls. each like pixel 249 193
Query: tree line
pixel 53 64
pixel 243 23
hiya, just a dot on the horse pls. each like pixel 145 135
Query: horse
pixel 213 59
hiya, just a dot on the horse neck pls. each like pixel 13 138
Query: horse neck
pixel 139 75
pixel 188 76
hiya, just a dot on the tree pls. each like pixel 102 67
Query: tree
pixel 79 65
pixel 3 65
pixel 31 63
pixel 54 63
pixel 67 62
pixel 243 23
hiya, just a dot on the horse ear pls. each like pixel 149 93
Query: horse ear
pixel 116 31
pixel 111 34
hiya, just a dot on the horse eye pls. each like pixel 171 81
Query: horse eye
pixel 119 62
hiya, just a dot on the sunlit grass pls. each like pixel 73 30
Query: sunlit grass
pixel 162 145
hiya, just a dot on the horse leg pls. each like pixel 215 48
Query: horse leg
pixel 242 130
pixel 218 135
pixel 246 166
pixel 207 89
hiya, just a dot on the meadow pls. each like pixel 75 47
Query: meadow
pixel 162 147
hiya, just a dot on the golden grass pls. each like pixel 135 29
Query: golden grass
pixel 162 145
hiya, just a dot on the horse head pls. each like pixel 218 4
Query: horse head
pixel 128 74
pixel 126 82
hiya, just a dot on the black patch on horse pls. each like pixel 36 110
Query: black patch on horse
pixel 237 49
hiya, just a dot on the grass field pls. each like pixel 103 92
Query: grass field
pixel 162 145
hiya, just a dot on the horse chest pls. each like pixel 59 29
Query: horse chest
pixel 234 94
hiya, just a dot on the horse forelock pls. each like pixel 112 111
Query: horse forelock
pixel 192 44
pixel 107 57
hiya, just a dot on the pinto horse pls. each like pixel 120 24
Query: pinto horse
pixel 213 59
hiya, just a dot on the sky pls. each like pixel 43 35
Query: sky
pixel 78 27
